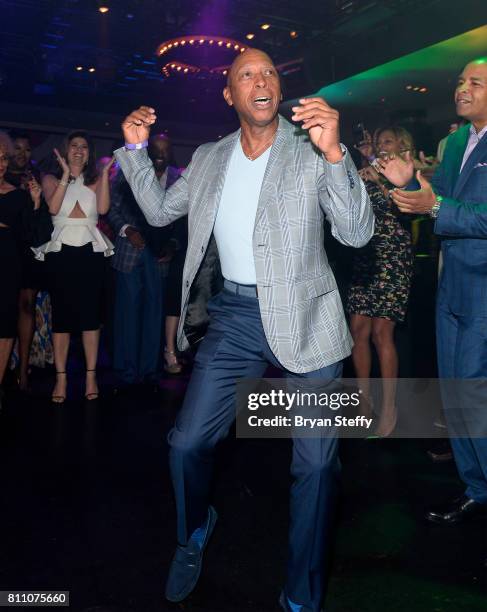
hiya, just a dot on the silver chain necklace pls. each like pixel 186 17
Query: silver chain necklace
pixel 253 154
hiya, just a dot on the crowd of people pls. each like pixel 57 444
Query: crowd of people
pixel 59 225
pixel 279 303
pixel 89 222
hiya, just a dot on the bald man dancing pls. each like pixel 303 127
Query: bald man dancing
pixel 261 195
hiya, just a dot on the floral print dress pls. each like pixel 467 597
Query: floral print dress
pixel 382 269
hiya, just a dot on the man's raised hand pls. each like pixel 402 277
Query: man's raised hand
pixel 136 126
pixel 322 122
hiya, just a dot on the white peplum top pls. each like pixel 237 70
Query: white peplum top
pixel 76 231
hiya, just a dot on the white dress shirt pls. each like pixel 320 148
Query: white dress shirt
pixel 473 141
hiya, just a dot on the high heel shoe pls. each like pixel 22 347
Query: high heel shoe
pixel 90 397
pixel 387 433
pixel 58 399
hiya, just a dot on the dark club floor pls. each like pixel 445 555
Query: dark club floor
pixel 87 507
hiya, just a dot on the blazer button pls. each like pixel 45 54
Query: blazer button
pixel 187 283
pixel 202 249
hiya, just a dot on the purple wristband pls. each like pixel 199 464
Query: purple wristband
pixel 139 145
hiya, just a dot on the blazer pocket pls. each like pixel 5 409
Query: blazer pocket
pixel 314 287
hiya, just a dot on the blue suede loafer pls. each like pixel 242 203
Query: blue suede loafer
pixel 186 564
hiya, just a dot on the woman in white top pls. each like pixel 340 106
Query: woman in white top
pixel 75 256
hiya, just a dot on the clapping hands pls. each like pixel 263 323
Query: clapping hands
pixel 63 163
pixel 399 170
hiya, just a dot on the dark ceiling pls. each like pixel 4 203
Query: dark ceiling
pixel 43 41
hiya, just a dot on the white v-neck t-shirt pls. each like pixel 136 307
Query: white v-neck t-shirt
pixel 235 219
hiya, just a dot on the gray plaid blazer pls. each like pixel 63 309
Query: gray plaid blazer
pixel 301 310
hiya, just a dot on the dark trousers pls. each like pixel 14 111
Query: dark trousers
pixel 235 347
pixel 139 321
pixel 462 354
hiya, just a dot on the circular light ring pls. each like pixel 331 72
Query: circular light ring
pixel 181 67
pixel 220 70
pixel 174 67
pixel 199 40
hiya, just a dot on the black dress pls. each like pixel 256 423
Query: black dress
pixel 383 268
pixel 16 212
pixel 32 275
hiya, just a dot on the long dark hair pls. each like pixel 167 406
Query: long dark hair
pixel 90 173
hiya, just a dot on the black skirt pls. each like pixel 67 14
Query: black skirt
pixel 33 276
pixel 10 279
pixel 75 279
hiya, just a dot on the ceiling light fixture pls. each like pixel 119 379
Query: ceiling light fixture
pixel 417 88
pixel 225 45
pixel 103 9
pixel 265 26
pixel 293 34
pixel 175 67
pixel 249 36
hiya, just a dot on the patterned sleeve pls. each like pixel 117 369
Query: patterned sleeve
pixel 345 201
pixel 160 207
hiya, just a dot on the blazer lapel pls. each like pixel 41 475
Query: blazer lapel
pixel 220 165
pixel 457 148
pixel 475 156
pixel 274 165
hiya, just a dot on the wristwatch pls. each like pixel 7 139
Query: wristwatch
pixel 436 207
